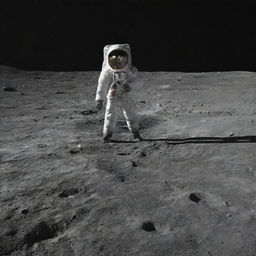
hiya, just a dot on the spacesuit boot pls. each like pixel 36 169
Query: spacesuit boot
pixel 136 135
pixel 129 111
pixel 107 137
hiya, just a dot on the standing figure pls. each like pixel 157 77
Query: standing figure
pixel 117 75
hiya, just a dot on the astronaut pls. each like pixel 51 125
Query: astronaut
pixel 115 81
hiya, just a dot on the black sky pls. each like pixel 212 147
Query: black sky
pixel 193 35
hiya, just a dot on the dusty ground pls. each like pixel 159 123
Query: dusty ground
pixel 189 189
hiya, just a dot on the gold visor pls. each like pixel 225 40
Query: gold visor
pixel 118 59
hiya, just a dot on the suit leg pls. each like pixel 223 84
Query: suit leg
pixel 129 110
pixel 111 115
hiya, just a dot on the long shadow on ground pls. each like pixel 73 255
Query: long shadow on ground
pixel 199 140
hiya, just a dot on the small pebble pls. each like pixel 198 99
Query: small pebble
pixel 193 197
pixel 121 178
pixel 148 226
pixel 24 211
pixel 134 164
pixel 79 146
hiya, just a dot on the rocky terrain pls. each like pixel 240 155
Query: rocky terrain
pixel 187 189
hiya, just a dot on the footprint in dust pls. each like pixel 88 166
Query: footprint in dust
pixel 68 192
pixel 43 231
pixel 120 178
pixel 80 214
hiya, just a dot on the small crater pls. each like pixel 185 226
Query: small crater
pixel 194 197
pixel 88 112
pixel 60 92
pixel 123 154
pixel 12 233
pixel 120 178
pixel 68 192
pixel 75 149
pixel 41 108
pixel 9 89
pixel 143 154
pixel 148 226
pixel 41 145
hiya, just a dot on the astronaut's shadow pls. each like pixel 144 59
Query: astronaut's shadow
pixel 199 140
pixel 151 121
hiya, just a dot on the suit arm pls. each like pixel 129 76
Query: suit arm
pixel 103 84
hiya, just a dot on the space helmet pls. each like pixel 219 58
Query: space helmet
pixel 117 56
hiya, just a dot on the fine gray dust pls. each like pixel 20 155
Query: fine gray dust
pixel 187 189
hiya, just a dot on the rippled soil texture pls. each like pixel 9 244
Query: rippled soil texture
pixel 188 189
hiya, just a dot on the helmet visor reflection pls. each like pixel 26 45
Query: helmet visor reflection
pixel 118 59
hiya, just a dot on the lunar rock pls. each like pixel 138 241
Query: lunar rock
pixel 95 202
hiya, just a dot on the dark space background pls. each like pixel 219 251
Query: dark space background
pixel 178 35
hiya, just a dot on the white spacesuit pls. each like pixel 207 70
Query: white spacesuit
pixel 114 82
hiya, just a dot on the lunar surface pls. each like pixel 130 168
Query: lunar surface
pixel 188 189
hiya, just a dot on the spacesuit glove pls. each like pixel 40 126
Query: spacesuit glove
pixel 99 104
